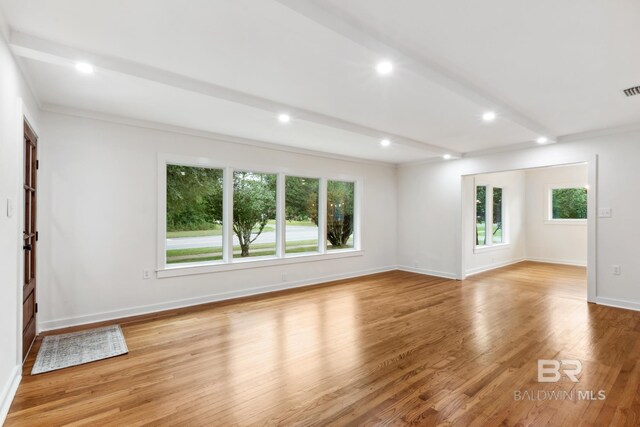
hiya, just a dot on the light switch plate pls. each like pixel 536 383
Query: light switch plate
pixel 9 207
pixel 604 212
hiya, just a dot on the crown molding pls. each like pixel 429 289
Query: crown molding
pixel 144 124
pixel 28 46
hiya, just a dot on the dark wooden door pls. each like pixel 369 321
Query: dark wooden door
pixel 29 306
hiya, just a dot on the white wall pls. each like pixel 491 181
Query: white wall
pixel 514 247
pixel 13 92
pixel 98 231
pixel 430 194
pixel 564 243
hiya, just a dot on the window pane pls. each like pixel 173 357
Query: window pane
pixel 481 215
pixel 340 198
pixel 497 215
pixel 254 214
pixel 301 214
pixel 194 214
pixel 569 203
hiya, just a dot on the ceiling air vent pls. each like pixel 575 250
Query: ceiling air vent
pixel 632 91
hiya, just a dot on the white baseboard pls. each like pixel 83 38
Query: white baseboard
pixel 484 268
pixel 427 272
pixel 153 308
pixel 611 302
pixel 578 263
pixel 9 392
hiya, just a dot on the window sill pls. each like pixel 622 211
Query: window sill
pixel 258 262
pixel 565 221
pixel 496 247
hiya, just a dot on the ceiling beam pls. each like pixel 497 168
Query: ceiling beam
pixel 372 39
pixel 32 47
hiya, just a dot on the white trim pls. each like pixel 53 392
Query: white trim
pixel 592 229
pixel 9 392
pixel 577 263
pixel 227 216
pixel 491 248
pixel 426 272
pixel 188 302
pixel 612 302
pixel 322 213
pixel 187 269
pixel 582 222
pixel 281 249
pixel 489 267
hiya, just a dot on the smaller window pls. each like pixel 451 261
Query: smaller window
pixel 568 203
pixel 301 214
pixel 497 228
pixel 490 217
pixel 340 207
pixel 194 215
pixel 481 215
pixel 254 214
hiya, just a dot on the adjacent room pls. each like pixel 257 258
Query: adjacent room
pixel 319 212
pixel 537 214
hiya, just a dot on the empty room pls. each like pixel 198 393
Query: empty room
pixel 319 212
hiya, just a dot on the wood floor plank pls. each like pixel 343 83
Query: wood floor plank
pixel 389 349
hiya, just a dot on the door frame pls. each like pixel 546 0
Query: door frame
pixel 23 114
pixel 591 160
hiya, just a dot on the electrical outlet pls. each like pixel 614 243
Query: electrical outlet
pixel 617 270
pixel 146 274
pixel 284 277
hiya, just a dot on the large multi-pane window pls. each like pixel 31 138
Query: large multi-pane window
pixel 216 215
pixel 254 214
pixel 301 214
pixel 489 221
pixel 340 214
pixel 194 214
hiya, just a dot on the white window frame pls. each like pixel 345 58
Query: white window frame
pixel 228 262
pixel 489 218
pixel 548 206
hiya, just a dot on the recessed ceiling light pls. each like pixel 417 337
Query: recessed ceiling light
pixel 446 156
pixel 385 143
pixel 284 118
pixel 384 67
pixel 489 116
pixel 542 140
pixel 84 67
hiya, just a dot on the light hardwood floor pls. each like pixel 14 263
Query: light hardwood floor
pixel 388 349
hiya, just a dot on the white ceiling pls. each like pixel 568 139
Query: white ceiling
pixel 230 66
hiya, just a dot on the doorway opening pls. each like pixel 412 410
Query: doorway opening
pixel 30 239
pixel 530 215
